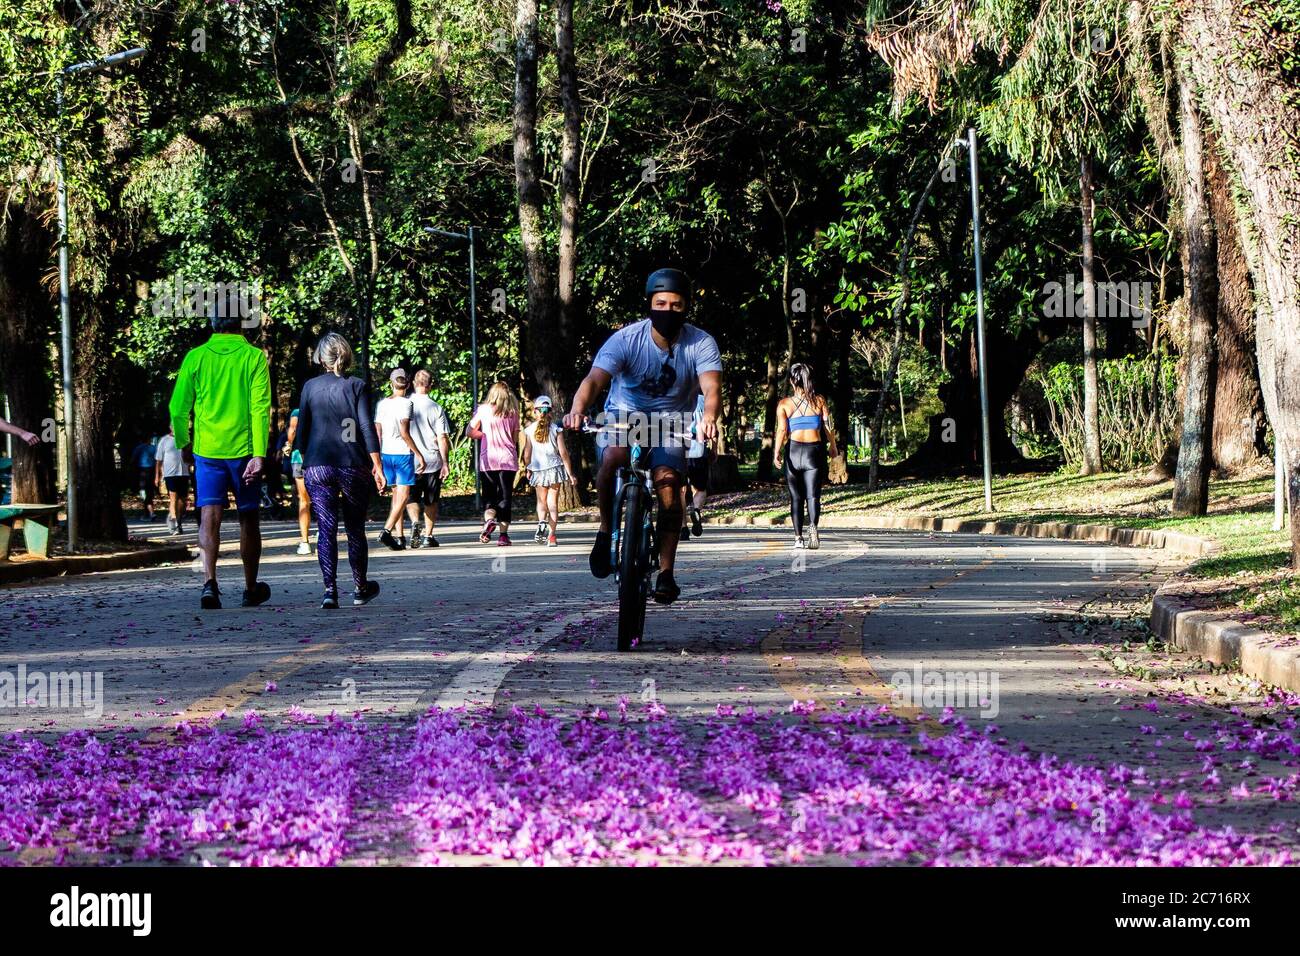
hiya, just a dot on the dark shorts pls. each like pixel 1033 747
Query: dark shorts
pixel 427 489
pixel 178 485
pixel 215 477
pixel 697 470
pixel 146 479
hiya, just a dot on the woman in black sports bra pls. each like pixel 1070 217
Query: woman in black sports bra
pixel 802 418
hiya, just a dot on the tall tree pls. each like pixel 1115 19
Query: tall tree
pixel 1192 477
pixel 1245 60
pixel 26 319
pixel 1239 422
pixel 1091 413
pixel 541 323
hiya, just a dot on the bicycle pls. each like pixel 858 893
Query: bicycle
pixel 634 541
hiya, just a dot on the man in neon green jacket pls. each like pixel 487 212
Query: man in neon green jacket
pixel 226 386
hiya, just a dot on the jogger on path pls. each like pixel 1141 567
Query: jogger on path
pixel 226 385
pixel 340 451
pixel 548 468
pixel 803 417
pixel 496 426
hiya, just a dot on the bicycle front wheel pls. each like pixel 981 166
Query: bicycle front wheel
pixel 632 590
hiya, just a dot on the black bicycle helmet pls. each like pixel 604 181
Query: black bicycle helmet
pixel 669 280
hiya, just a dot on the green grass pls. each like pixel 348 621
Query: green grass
pixel 1250 572
pixel 1240 518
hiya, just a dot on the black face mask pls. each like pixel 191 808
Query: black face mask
pixel 667 322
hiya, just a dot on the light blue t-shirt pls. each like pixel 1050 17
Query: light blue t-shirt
pixel 647 378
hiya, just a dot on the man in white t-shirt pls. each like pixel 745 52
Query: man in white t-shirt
pixel 432 434
pixel 398 454
pixel 171 469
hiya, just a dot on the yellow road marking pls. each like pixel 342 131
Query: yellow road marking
pixel 780 643
pixel 251 685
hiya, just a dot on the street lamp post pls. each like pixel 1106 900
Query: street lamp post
pixel 979 316
pixel 468 237
pixel 65 303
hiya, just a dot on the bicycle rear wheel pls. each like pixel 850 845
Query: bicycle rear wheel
pixel 632 590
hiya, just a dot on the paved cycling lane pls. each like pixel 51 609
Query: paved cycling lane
pixel 468 624
pixel 759 625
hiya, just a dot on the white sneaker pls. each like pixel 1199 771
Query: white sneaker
pixel 798 543
pixel 304 547
pixel 814 540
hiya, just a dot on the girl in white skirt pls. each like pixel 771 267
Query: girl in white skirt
pixel 548 468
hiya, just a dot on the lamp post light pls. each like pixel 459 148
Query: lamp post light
pixel 468 237
pixel 65 304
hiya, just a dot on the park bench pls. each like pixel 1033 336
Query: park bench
pixel 35 521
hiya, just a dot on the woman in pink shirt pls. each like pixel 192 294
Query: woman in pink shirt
pixel 496 426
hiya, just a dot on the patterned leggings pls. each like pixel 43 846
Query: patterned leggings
pixel 326 486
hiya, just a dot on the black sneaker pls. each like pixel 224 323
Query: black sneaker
pixel 431 542
pixel 540 535
pixel 666 589
pixel 260 594
pixel 697 525
pixel 366 594
pixel 211 599
pixel 330 601
pixel 600 567
pixel 417 541
pixel 386 538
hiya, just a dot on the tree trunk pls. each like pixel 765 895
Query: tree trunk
pixel 1192 477
pixel 1248 91
pixel 1239 423
pixel 99 493
pixel 570 210
pixel 843 387
pixel 904 274
pixel 541 325
pixel 771 398
pixel 26 318
pixel 1091 415
pixel 570 143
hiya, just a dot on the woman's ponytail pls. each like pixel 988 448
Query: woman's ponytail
pixel 801 378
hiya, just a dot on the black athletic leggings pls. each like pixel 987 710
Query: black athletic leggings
pixel 497 486
pixel 805 473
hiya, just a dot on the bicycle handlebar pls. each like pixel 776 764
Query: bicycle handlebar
pixel 588 428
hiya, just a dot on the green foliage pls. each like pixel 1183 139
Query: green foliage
pixel 1137 404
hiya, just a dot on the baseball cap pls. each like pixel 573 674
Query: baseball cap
pixel 397 373
pixel 542 401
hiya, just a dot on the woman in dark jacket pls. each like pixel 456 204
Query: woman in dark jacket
pixel 340 454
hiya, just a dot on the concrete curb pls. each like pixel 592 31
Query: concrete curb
pixel 1126 537
pixel 13 572
pixel 1218 638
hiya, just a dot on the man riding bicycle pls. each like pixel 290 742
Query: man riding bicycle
pixel 654 369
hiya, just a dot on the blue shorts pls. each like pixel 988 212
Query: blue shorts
pixel 399 469
pixel 214 477
pixel 674 458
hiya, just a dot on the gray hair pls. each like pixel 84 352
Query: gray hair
pixel 333 353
